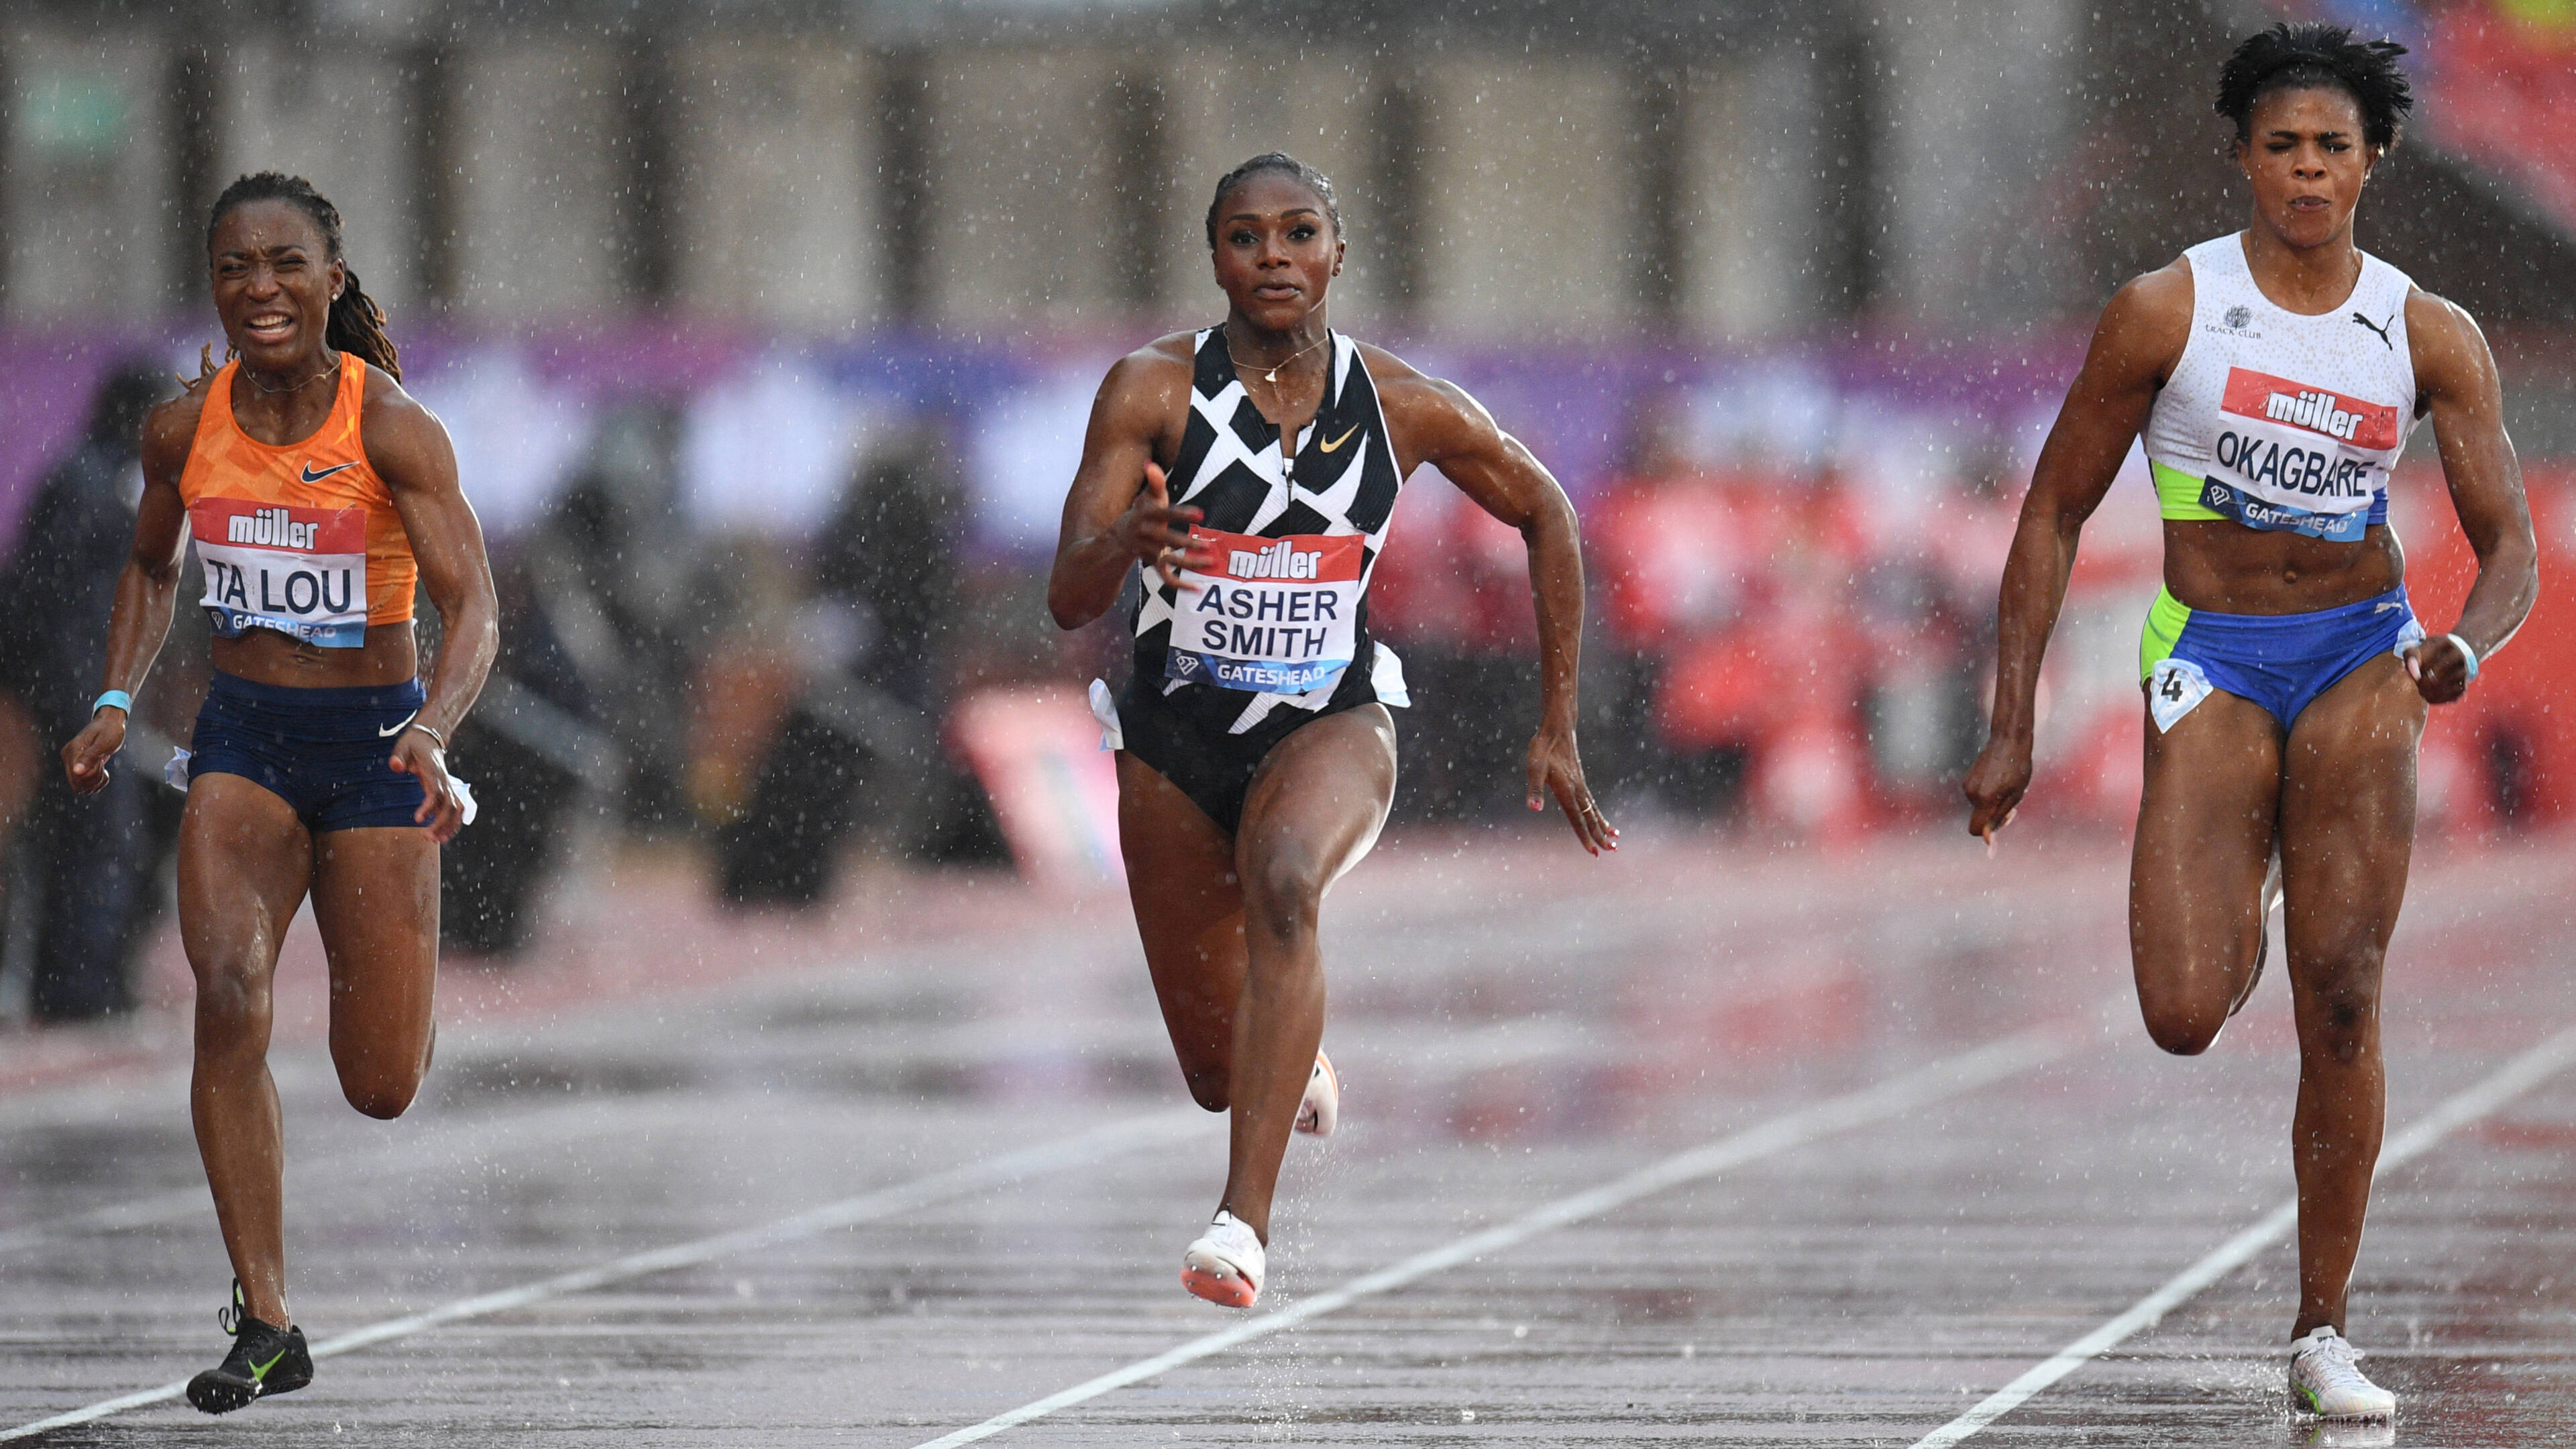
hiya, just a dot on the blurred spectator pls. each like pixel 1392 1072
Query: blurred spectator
pixel 1927 605
pixel 1683 556
pixel 533 756
pixel 849 706
pixel 1452 598
pixel 91 862
pixel 887 565
pixel 624 587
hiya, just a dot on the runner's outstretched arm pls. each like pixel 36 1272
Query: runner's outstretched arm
pixel 1118 514
pixel 1451 431
pixel 147 588
pixel 2139 338
pixel 2457 376
pixel 409 449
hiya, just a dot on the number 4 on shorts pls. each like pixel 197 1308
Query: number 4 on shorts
pixel 2175 687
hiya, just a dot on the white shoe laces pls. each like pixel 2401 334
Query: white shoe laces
pixel 2331 1363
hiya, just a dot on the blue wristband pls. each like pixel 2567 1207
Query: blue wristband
pixel 114 699
pixel 2467 653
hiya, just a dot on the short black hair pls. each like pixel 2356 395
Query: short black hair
pixel 1314 181
pixel 2316 54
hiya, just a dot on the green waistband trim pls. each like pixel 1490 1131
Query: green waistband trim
pixel 2165 620
pixel 2178 494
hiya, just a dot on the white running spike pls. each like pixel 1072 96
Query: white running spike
pixel 2325 1381
pixel 1322 1106
pixel 1225 1265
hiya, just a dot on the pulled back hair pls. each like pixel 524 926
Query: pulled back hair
pixel 1312 179
pixel 2314 54
pixel 356 323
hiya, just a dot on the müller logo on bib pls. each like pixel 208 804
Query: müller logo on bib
pixel 2253 394
pixel 299 571
pixel 1282 560
pixel 1281 619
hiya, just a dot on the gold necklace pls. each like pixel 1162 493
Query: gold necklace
pixel 328 369
pixel 1272 376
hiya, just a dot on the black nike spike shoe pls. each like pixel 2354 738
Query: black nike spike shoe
pixel 265 1360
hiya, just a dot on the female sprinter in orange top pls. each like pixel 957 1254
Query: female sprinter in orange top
pixel 2274 375
pixel 1256 755
pixel 318 493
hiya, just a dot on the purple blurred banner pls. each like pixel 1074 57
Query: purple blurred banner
pixel 769 428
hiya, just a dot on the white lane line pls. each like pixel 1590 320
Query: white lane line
pixel 1994 1062
pixel 922 1192
pixel 477 1141
pixel 2511 1080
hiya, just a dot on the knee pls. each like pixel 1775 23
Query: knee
pixel 2339 1005
pixel 231 991
pixel 1285 894
pixel 383 1095
pixel 2185 1029
pixel 1208 1088
pixel 380 1089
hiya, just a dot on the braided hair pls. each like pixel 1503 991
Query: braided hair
pixel 1313 180
pixel 2313 54
pixel 356 323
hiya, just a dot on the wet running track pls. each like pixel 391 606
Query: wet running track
pixel 1706 1143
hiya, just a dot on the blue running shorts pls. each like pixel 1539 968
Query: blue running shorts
pixel 2279 661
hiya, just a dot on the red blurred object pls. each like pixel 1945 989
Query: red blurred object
pixel 1036 749
pixel 1451 576
pixel 1682 555
pixel 2503 93
pixel 2512 741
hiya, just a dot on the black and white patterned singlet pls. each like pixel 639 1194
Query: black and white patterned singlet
pixel 1281 622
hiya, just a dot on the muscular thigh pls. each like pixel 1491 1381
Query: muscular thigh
pixel 2348 813
pixel 244 864
pixel 1189 908
pixel 1319 799
pixel 2205 826
pixel 375 897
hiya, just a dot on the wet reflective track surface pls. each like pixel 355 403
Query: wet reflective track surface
pixel 1705 1143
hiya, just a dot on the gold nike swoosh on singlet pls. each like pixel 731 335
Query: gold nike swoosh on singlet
pixel 1344 438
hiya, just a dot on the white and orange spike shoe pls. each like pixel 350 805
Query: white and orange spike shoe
pixel 1225 1265
pixel 1322 1106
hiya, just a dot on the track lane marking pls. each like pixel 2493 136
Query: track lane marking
pixel 2509 1081
pixel 884 1202
pixel 1953 1076
pixel 459 1141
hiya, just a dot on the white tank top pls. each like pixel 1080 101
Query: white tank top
pixel 2281 421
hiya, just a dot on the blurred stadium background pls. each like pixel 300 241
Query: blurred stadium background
pixel 766 332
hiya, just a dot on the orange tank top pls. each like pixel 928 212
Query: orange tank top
pixel 302 538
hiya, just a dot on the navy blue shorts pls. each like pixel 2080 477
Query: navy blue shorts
pixel 324 751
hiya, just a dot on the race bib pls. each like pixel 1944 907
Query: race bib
pixel 300 571
pixel 2175 688
pixel 2299 459
pixel 1277 616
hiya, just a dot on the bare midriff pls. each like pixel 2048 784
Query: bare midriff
pixel 2227 568
pixel 265 656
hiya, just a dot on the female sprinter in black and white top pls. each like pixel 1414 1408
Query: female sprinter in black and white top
pixel 2275 374
pixel 1256 755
